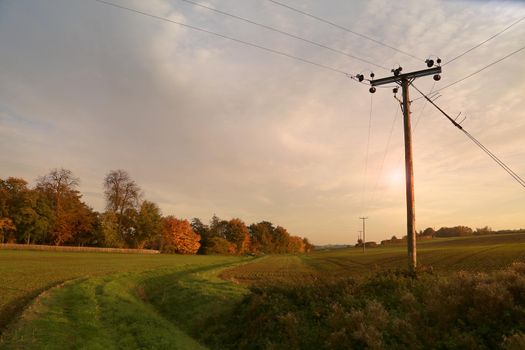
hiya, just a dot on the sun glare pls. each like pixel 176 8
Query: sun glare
pixel 395 177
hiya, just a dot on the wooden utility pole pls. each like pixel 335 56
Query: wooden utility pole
pixel 409 176
pixel 364 234
pixel 405 80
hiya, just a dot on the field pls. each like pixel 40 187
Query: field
pixel 108 300
pixel 25 274
pixel 445 255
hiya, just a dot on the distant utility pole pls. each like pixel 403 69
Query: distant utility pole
pixel 405 80
pixel 364 234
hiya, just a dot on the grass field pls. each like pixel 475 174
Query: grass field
pixel 25 274
pixel 179 302
pixel 446 255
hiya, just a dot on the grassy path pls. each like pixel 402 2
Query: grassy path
pixel 26 274
pixel 162 308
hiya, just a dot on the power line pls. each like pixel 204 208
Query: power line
pixel 344 28
pixel 423 107
pixel 486 40
pixel 229 38
pixel 504 166
pixel 284 33
pixel 385 153
pixel 482 69
pixel 477 72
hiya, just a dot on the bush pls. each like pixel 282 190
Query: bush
pixel 391 310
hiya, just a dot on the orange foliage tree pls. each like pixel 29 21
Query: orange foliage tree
pixel 179 237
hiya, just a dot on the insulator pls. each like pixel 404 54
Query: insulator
pixel 437 77
pixel 430 63
pixel 372 90
pixel 394 90
pixel 372 75
pixel 360 77
pixel 438 60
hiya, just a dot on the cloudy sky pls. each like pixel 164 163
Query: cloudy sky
pixel 206 125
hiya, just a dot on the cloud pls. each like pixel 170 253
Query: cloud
pixel 206 125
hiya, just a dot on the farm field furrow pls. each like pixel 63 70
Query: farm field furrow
pixel 474 254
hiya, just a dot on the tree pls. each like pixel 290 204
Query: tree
pixel 308 247
pixel 108 223
pixel 295 245
pixel 179 237
pixel 262 237
pixel 429 231
pixel 218 227
pixel 483 231
pixel 454 231
pixel 202 230
pixel 237 233
pixel 6 227
pixel 281 238
pixel 122 198
pixel 219 245
pixel 199 227
pixel 149 224
pixel 70 215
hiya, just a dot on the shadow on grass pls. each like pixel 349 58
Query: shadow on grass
pixel 10 312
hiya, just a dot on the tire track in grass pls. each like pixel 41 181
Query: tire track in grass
pixel 105 312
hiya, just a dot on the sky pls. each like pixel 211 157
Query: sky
pixel 206 125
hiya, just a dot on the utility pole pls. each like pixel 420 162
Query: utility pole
pixel 405 80
pixel 364 234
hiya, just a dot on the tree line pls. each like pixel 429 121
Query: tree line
pixel 52 212
pixel 443 232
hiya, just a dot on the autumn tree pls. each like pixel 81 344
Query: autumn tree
pixel 6 228
pixel 179 237
pixel 262 237
pixel 18 203
pixel 70 214
pixel 237 233
pixel 308 247
pixel 122 199
pixel 295 245
pixel 280 240
pixel 219 245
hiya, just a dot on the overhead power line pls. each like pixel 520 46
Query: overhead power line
pixel 486 40
pixel 482 69
pixel 267 49
pixel 385 153
pixel 476 72
pixel 345 29
pixel 284 33
pixel 504 166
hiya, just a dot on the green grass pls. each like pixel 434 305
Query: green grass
pixel 25 274
pixel 445 255
pixel 115 301
pixel 164 308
